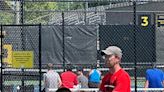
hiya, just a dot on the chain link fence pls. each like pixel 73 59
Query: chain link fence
pixel 21 58
pixel 75 31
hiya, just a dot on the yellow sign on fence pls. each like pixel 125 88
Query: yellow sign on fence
pixel 8 54
pixel 23 59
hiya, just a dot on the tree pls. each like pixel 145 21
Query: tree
pixel 77 5
pixel 6 18
pixel 34 11
pixel 37 12
pixel 70 5
pixel 5 13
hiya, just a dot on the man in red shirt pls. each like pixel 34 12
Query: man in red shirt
pixel 116 80
pixel 69 79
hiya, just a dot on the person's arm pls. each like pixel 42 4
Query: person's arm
pixel 146 84
pixel 75 80
pixel 163 79
pixel 163 83
pixel 44 80
pixel 59 81
pixel 147 81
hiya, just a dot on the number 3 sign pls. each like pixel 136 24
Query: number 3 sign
pixel 144 20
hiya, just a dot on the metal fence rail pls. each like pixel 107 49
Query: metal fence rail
pixel 97 90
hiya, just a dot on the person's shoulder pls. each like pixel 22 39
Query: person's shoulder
pixel 69 73
pixel 84 76
pixel 63 73
pixel 149 70
pixel 123 76
pixel 159 70
pixel 44 74
pixel 55 72
pixel 123 73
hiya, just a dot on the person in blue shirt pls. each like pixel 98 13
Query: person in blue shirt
pixel 154 78
pixel 94 78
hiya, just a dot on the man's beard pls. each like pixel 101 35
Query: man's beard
pixel 111 66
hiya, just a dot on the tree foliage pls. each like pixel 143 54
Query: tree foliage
pixel 70 5
pixel 43 17
pixel 38 12
pixel 6 18
pixel 34 11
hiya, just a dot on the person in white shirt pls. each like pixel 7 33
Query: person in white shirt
pixel 51 79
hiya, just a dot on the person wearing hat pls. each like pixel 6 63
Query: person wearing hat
pixel 117 79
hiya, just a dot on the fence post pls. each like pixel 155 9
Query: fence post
pixel 40 60
pixel 63 41
pixel 134 30
pixel 1 63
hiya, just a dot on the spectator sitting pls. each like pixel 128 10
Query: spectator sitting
pixel 51 79
pixel 69 79
pixel 94 78
pixel 82 79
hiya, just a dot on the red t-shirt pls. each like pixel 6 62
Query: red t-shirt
pixel 117 82
pixel 69 79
